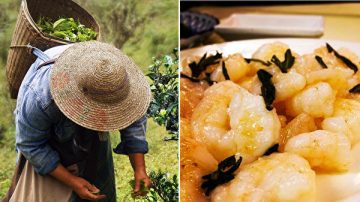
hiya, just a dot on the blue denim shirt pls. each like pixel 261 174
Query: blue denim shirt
pixel 36 114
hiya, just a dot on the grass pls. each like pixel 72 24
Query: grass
pixel 157 37
pixel 7 132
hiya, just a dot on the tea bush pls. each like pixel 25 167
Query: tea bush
pixel 164 105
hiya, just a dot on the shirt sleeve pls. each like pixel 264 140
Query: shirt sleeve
pixel 133 138
pixel 32 135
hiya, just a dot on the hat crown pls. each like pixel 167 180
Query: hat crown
pixel 105 80
pixel 99 87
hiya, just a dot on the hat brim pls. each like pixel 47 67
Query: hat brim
pixel 84 110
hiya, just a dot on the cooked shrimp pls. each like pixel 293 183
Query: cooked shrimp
pixel 329 58
pixel 190 95
pixel 316 100
pixel 307 63
pixel 302 123
pixel 195 161
pixel 266 51
pixel 191 150
pixel 346 119
pixel 252 84
pixel 337 125
pixel 230 120
pixel 337 78
pixel 332 61
pixel 236 68
pixel 325 150
pixel 280 177
pixel 190 183
pixel 287 85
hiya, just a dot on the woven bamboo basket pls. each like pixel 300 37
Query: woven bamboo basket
pixel 26 32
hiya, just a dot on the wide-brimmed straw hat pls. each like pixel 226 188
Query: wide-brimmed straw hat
pixel 98 87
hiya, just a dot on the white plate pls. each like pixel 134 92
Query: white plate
pixel 272 25
pixel 330 187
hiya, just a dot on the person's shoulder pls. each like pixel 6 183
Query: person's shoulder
pixel 40 81
pixel 57 50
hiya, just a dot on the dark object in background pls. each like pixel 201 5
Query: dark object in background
pixel 195 27
pixel 192 23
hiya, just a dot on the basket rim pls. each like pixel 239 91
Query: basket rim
pixel 47 36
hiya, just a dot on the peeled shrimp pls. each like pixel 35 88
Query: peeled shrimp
pixel 190 95
pixel 307 63
pixel 280 177
pixel 325 150
pixel 195 162
pixel 300 124
pixel 345 119
pixel 339 79
pixel 251 84
pixel 266 52
pixel 332 61
pixel 316 100
pixel 230 120
pixel 193 151
pixel 190 183
pixel 288 84
pixel 236 68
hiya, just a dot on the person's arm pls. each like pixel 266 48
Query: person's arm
pixel 83 188
pixel 32 134
pixel 134 144
pixel 138 164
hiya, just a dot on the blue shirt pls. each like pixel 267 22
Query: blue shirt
pixel 38 119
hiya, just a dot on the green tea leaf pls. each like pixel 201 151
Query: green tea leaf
pixel 321 62
pixel 355 89
pixel 224 70
pixel 272 149
pixel 197 68
pixel 66 28
pixel 222 175
pixel 248 60
pixel 345 60
pixel 267 88
pixel 56 23
pixel 286 64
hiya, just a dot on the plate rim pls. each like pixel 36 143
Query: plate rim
pixel 213 47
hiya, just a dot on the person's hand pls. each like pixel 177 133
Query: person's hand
pixel 141 178
pixel 85 190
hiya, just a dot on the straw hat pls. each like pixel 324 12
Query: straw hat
pixel 99 87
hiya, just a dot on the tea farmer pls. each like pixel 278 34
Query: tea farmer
pixel 67 101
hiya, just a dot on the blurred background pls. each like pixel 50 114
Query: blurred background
pixel 143 31
pixel 204 23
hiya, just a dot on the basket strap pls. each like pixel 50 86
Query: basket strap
pixel 37 52
pixel 52 61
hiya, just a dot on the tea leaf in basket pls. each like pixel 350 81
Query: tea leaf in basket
pixel 66 28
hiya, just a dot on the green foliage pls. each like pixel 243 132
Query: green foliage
pixel 165 187
pixel 164 105
pixel 66 28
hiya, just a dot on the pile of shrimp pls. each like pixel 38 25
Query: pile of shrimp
pixel 315 122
